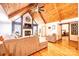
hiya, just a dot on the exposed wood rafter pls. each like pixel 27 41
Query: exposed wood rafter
pixel 21 11
pixel 42 17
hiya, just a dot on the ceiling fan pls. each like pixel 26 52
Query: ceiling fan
pixel 39 8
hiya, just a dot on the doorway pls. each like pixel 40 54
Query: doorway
pixel 35 29
pixel 65 33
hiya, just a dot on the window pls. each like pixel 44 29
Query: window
pixel 74 29
pixel 5 28
pixel 16 26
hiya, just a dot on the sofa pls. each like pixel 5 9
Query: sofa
pixel 23 46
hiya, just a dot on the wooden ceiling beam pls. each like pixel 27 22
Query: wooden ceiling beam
pixel 41 15
pixel 21 11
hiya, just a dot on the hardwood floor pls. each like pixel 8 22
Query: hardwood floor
pixel 60 48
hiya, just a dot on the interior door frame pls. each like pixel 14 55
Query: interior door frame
pixel 68 29
pixel 36 27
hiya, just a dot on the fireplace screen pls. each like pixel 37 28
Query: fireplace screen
pixel 27 33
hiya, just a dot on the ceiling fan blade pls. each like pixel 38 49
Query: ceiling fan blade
pixel 41 7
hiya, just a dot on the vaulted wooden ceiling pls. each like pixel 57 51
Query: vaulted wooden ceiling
pixel 52 11
pixel 12 7
pixel 59 11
